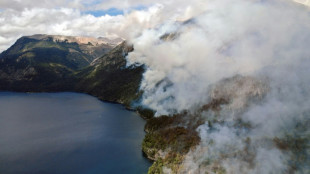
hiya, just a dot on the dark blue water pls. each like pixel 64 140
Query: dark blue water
pixel 68 133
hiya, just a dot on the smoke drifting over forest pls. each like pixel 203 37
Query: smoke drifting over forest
pixel 254 55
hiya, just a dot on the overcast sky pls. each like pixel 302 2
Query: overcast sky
pixel 95 18
pixel 123 18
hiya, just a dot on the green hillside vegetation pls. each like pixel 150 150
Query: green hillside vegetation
pixel 33 65
pixel 109 79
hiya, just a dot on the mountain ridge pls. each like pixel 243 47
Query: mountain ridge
pixel 77 39
pixel 45 63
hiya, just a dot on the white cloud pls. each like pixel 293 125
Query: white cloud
pixel 28 17
pixel 304 2
pixel 67 21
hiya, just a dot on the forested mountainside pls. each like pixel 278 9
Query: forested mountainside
pixel 44 63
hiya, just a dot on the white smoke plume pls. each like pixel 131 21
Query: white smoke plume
pixel 253 52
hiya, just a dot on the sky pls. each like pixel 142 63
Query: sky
pixel 64 17
pixel 94 18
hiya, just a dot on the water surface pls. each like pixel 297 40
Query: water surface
pixel 67 133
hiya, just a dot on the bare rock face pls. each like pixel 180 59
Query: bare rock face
pixel 78 39
pixel 93 47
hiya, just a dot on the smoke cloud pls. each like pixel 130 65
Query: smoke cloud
pixel 255 55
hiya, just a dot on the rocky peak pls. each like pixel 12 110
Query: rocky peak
pixel 77 39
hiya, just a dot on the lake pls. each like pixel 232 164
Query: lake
pixel 64 133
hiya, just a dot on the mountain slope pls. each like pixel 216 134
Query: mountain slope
pixel 72 52
pixel 109 79
pixel 43 63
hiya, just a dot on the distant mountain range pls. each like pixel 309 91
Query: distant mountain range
pixel 77 52
pixel 50 63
